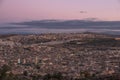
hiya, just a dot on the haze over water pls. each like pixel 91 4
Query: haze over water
pixel 69 26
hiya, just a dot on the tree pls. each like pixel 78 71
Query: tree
pixel 3 72
pixel 25 73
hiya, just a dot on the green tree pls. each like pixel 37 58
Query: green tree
pixel 25 73
pixel 3 72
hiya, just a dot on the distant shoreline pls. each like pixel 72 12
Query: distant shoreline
pixel 58 26
pixel 14 34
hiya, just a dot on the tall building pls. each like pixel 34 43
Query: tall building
pixel 19 61
pixel 36 60
pixel 24 61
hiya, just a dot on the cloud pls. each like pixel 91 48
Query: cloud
pixel 91 19
pixel 82 12
pixel 72 24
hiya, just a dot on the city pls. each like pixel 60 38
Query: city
pixel 67 53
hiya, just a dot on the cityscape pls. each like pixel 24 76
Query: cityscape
pixel 59 39
pixel 67 53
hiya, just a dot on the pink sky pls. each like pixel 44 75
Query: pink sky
pixel 23 10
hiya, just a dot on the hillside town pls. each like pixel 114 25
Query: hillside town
pixel 68 53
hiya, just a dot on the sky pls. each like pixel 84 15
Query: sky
pixel 27 10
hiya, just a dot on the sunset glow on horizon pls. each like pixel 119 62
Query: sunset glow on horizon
pixel 23 10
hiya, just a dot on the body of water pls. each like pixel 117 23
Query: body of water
pixel 27 29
